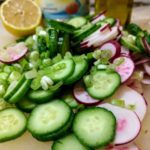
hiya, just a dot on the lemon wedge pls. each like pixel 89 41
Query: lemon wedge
pixel 20 17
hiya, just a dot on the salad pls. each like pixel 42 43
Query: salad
pixel 77 83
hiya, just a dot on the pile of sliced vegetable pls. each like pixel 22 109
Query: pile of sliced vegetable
pixel 80 82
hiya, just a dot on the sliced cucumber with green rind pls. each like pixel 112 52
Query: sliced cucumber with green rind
pixel 126 43
pixel 49 118
pixel 26 105
pixel 139 43
pixel 69 142
pixel 12 124
pixel 95 127
pixel 81 66
pixel 20 93
pixel 11 90
pixel 58 134
pixel 62 70
pixel 77 22
pixel 103 84
pixel 41 96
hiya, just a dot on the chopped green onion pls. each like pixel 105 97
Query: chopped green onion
pixel 31 74
pixel 101 66
pixel 17 67
pixel 4 75
pixel 14 76
pixel 8 69
pixel 34 56
pixel 2 90
pixel 4 104
pixel 131 107
pixel 47 62
pixel 118 102
pixel 46 82
pixel 88 80
pixel 35 84
pixel 56 86
pixel 57 58
pixel 67 55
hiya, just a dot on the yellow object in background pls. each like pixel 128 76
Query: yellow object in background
pixel 120 9
pixel 20 17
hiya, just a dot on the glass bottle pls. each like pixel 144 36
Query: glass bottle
pixel 120 9
pixel 64 9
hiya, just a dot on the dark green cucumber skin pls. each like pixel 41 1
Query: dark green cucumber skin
pixel 57 134
pixel 41 96
pixel 65 44
pixel 26 107
pixel 53 42
pixel 60 26
pixel 6 139
pixel 60 141
pixel 7 96
pixel 104 97
pixel 111 138
pixel 128 45
pixel 18 95
pixel 140 44
pixel 72 79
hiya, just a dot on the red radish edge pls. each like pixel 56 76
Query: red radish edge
pixel 120 71
pixel 145 60
pixel 105 27
pixel 147 67
pixel 146 45
pixel 16 59
pixel 100 14
pixel 82 97
pixel 116 45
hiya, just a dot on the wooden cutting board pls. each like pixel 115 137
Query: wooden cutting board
pixel 27 142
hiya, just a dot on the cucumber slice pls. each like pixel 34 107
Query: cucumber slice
pixel 69 99
pixel 81 66
pixel 12 124
pixel 69 142
pixel 58 134
pixel 77 22
pixel 13 88
pixel 26 105
pixel 62 26
pixel 139 43
pixel 126 43
pixel 49 118
pixel 103 84
pixel 61 70
pixel 19 94
pixel 95 127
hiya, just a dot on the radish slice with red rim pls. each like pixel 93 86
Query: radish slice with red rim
pixel 131 98
pixel 146 45
pixel 100 16
pixel 144 60
pixel 124 147
pixel 146 80
pixel 147 68
pixel 13 53
pixel 105 28
pixel 113 46
pixel 82 96
pixel 125 68
pixel 125 51
pixel 128 124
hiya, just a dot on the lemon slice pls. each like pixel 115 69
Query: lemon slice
pixel 20 17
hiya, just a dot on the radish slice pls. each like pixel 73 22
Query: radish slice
pixel 128 124
pixel 82 96
pixel 102 38
pixel 144 60
pixel 131 98
pixel 146 45
pixel 126 68
pixel 105 28
pixel 13 53
pixel 147 68
pixel 99 17
pixel 125 51
pixel 146 80
pixel 113 46
pixel 124 147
